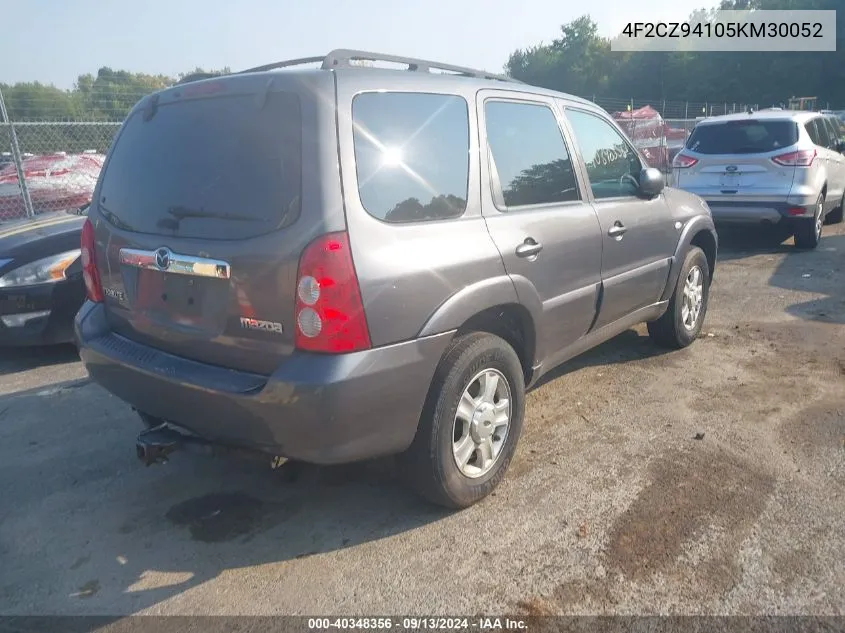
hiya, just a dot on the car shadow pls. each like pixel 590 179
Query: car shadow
pixel 740 242
pixel 115 537
pixel 17 359
pixel 629 346
pixel 820 271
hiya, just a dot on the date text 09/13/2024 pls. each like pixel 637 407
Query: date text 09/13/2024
pixel 419 623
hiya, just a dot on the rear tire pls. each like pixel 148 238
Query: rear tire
pixel 463 419
pixel 681 324
pixel 808 232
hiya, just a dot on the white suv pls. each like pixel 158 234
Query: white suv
pixel 771 166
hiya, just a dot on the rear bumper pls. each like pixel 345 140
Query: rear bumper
pixel 315 408
pixel 39 315
pixel 759 211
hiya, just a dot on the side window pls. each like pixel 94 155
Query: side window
pixel 832 133
pixel 528 153
pixel 612 166
pixel 813 130
pixel 824 133
pixel 411 155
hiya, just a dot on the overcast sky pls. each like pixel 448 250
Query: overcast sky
pixel 54 41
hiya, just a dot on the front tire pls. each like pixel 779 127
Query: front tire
pixel 681 324
pixel 470 424
pixel 808 233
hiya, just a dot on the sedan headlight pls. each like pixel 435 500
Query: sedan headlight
pixel 43 271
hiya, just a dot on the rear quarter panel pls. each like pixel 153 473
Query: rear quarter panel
pixel 408 271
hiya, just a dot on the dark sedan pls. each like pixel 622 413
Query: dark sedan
pixel 41 287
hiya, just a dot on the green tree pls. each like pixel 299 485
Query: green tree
pixel 580 62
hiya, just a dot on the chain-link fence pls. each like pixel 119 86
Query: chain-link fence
pixel 61 159
pixel 60 163
pixel 675 109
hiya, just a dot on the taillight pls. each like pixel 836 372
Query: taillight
pixel 801 158
pixel 93 288
pixel 329 311
pixel 682 161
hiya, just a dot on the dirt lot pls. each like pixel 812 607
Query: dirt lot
pixel 710 480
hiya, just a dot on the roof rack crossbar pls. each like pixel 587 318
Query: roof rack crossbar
pixel 343 58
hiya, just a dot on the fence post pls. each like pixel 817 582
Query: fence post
pixel 16 156
pixel 686 109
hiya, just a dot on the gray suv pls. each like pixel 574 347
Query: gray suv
pixel 776 167
pixel 381 265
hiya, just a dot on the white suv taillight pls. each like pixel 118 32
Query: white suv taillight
pixel 801 158
pixel 682 161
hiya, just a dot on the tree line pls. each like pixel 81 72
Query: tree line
pixel 108 96
pixel 580 62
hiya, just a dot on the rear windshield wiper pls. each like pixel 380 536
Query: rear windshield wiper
pixel 180 213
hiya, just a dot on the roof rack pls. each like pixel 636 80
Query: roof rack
pixel 284 64
pixel 343 58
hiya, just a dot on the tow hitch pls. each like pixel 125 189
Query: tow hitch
pixel 154 445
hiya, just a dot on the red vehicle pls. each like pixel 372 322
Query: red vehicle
pixel 652 136
pixel 56 182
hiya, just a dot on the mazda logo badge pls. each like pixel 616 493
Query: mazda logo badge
pixel 163 258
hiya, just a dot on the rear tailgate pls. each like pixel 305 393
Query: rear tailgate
pixel 198 194
pixel 734 159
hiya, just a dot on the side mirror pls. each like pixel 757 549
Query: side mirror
pixel 840 146
pixel 652 182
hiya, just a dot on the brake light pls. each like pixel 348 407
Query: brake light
pixel 203 89
pixel 329 310
pixel 90 275
pixel 801 158
pixel 682 161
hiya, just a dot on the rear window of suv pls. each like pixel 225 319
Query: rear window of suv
pixel 224 167
pixel 411 155
pixel 751 136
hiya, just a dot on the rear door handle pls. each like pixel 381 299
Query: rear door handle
pixel 617 230
pixel 529 248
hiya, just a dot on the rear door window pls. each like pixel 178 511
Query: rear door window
pixel 221 167
pixel 411 155
pixel 815 133
pixel 745 136
pixel 824 133
pixel 832 132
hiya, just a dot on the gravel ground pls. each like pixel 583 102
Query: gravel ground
pixel 710 480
